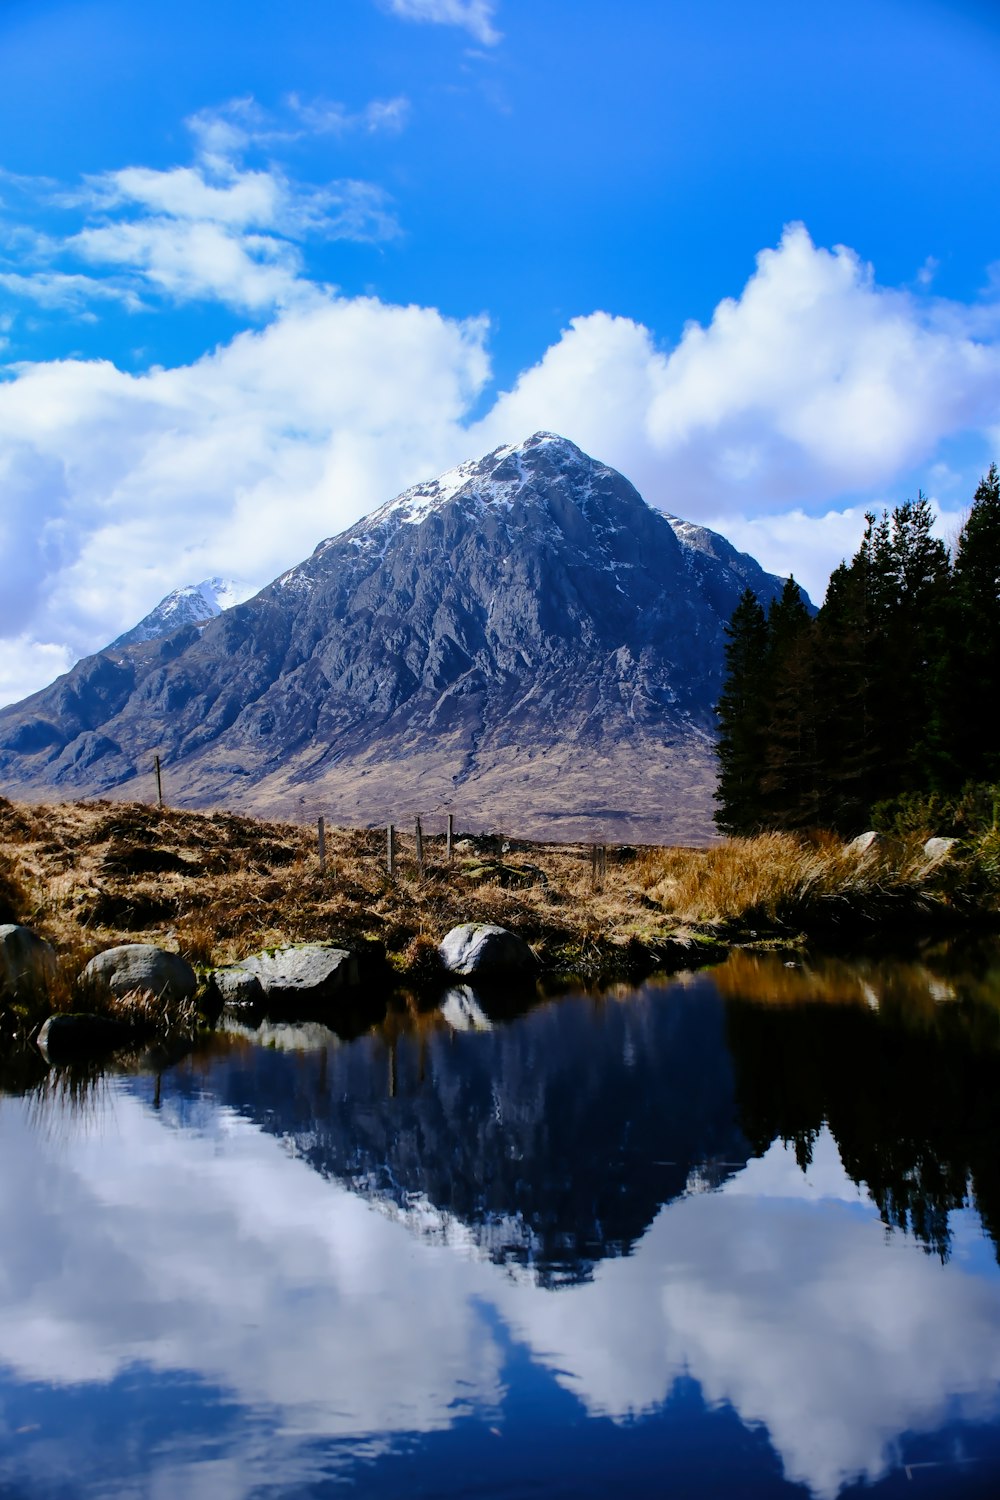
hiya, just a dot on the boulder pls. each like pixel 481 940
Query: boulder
pixel 938 849
pixel 865 843
pixel 140 966
pixel 65 1038
pixel 237 988
pixel 27 962
pixel 485 951
pixel 307 973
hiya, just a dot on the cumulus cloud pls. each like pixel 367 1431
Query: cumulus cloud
pixel 474 16
pixel 814 382
pixel 213 1252
pixel 810 546
pixel 801 402
pixel 119 486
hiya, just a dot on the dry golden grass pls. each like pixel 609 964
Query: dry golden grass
pixel 780 879
pixel 219 886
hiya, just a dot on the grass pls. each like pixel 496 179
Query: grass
pixel 217 887
pixel 783 881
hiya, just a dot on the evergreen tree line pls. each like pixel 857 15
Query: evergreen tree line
pixel 890 692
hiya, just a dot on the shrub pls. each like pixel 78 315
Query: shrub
pixel 14 898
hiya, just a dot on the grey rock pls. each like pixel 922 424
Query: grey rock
pixel 237 987
pixel 485 950
pixel 27 962
pixel 142 967
pixel 938 849
pixel 305 972
pixel 865 842
pixel 63 1038
pixel 528 607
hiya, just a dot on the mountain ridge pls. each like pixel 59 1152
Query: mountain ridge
pixel 191 604
pixel 523 640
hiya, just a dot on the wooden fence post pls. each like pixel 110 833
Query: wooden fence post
pixel 159 783
pixel 321 831
pixel 450 837
pixel 420 848
pixel 390 848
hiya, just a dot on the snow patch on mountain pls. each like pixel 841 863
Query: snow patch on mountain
pixel 192 604
pixel 493 481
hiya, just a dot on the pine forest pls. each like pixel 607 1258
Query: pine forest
pixel 880 709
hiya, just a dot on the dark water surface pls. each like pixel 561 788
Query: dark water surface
pixel 734 1235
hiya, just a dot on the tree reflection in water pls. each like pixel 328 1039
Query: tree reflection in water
pixel 900 1059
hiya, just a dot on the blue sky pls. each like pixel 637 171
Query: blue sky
pixel 262 267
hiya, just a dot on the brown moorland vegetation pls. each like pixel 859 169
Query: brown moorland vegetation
pixel 219 886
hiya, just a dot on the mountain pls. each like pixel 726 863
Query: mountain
pixel 190 605
pixel 523 641
pixel 605 1114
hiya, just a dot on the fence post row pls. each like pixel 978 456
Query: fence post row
pixel 159 783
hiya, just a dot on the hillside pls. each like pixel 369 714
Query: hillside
pixel 524 641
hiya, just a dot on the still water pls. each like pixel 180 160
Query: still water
pixel 731 1235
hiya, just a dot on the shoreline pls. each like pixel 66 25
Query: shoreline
pixel 217 888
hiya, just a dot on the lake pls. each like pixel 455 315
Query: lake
pixel 729 1234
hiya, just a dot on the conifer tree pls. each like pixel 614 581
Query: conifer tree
pixel 788 758
pixel 880 643
pixel 842 678
pixel 909 701
pixel 974 631
pixel 741 712
pixel 889 691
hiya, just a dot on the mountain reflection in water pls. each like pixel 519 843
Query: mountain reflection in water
pixel 673 1232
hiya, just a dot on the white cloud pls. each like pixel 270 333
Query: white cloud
pixel 802 402
pixel 29 664
pixel 65 290
pixel 474 16
pixel 793 542
pixel 814 383
pixel 210 1250
pixel 198 260
pixel 216 229
pixel 327 117
pixel 240 200
pixel 119 487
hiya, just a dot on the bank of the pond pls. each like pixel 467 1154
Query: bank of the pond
pixel 217 888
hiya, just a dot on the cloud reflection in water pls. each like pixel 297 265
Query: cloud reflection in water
pixel 214 1250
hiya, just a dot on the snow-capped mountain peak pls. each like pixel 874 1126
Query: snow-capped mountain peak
pixel 192 604
pixel 522 638
pixel 492 481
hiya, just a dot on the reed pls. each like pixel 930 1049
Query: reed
pixel 785 880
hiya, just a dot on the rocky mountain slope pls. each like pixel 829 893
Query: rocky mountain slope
pixel 190 605
pixel 523 641
pixel 605 1114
